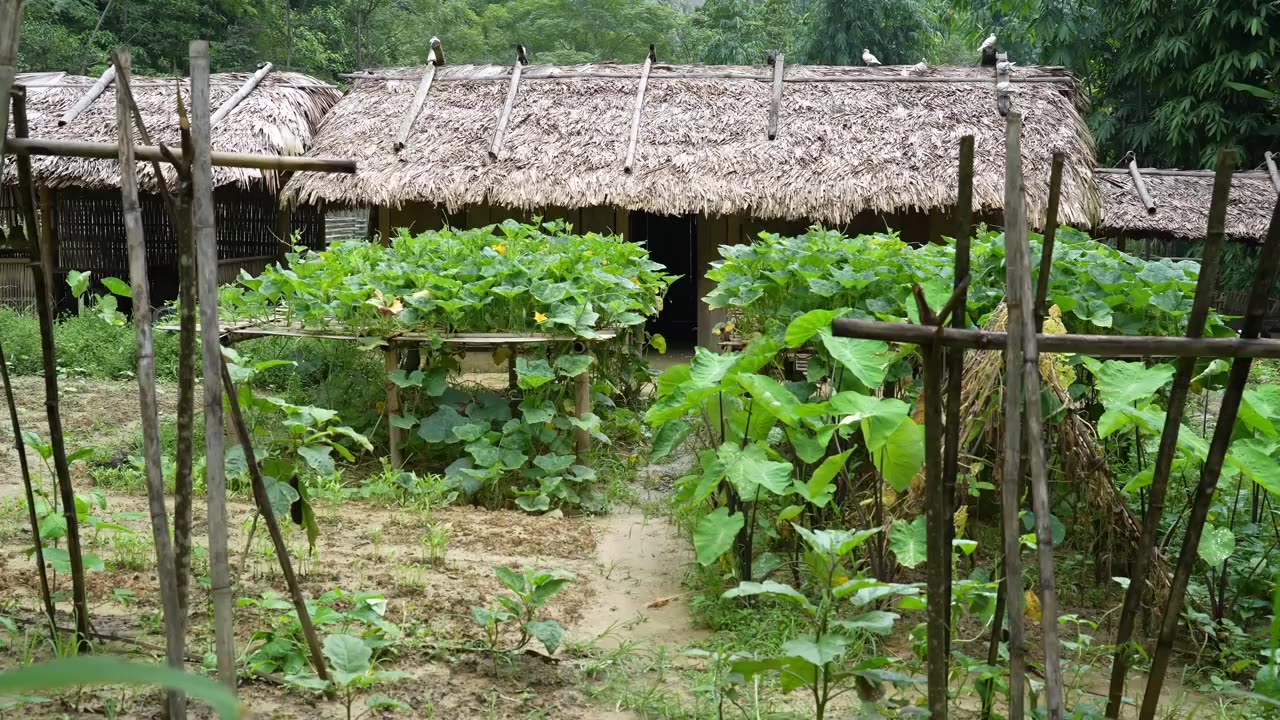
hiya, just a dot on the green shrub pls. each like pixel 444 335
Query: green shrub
pixel 88 346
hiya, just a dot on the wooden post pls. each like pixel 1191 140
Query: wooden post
pixel 1012 468
pixel 225 109
pixel 1019 298
pixel 420 97
pixel 1272 170
pixel 87 99
pixel 1141 186
pixel 202 221
pixel 581 407
pixel 938 517
pixel 384 225
pixel 152 461
pixel 391 358
pixel 775 97
pixel 49 236
pixel 10 32
pixel 635 113
pixel 1050 234
pixel 1254 322
pixel 1215 242
pixel 505 117
pixel 42 259
pixel 513 381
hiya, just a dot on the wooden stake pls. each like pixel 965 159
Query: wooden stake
pixel 10 32
pixel 263 502
pixel 1141 186
pixel 1215 242
pixel 582 407
pixel 81 148
pixel 391 358
pixel 1272 170
pixel 505 117
pixel 87 99
pixel 424 87
pixel 955 356
pixel 42 265
pixel 635 112
pixel 225 109
pixel 152 460
pixel 20 447
pixel 1019 297
pixel 1010 500
pixel 1254 322
pixel 1050 234
pixel 938 517
pixel 775 97
pixel 206 243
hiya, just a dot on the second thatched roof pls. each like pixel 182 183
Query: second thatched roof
pixel 1182 205
pixel 850 139
pixel 280 116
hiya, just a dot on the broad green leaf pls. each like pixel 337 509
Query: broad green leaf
pixel 759 353
pixel 715 533
pixel 532 374
pixel 548 632
pixel 117 286
pixel 879 622
pixel 573 365
pixel 672 378
pixel 709 368
pixel 879 418
pixel 803 328
pixel 810 447
pixel 790 512
pixel 966 546
pixel 348 654
pixel 404 422
pixel 865 359
pixel 79 282
pixel 1126 383
pixel 750 468
pixel 536 411
pixel 404 379
pixel 902 455
pixel 669 437
pixel 771 397
pixel 280 495
pixel 1255 413
pixel 1216 544
pixel 909 541
pixel 514 581
pixel 386 702
pixel 92 671
pixel 318 458
pixel 1253 458
pixel 824 475
pixel 817 650
pixel 553 463
pixel 659 343
pixel 768 587
pixel 438 427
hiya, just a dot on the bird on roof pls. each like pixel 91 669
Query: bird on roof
pixel 868 58
pixel 988 50
pixel 921 67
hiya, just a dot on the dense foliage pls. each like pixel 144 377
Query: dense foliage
pixel 1098 289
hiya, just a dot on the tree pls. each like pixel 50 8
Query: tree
pixel 744 32
pixel 898 32
pixel 576 31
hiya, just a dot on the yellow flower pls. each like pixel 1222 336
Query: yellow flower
pixel 588 253
pixel 839 579
pixel 604 262
pixel 500 248
pixel 729 328
pixel 539 317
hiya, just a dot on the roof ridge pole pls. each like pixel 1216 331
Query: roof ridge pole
pixel 775 97
pixel 1139 184
pixel 90 95
pixel 419 98
pixel 225 109
pixel 1272 170
pixel 505 117
pixel 649 59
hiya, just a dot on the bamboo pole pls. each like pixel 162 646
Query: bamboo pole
pixel 1095 345
pixel 206 243
pixel 955 356
pixel 263 502
pixel 184 491
pixel 232 102
pixel 153 463
pixel 20 447
pixel 1215 242
pixel 1050 235
pixel 1272 170
pixel 1019 299
pixel 1255 321
pixel 1161 172
pixel 634 139
pixel 505 117
pixel 42 265
pixel 775 97
pixel 1141 186
pixel 391 361
pixel 87 99
pixel 559 74
pixel 938 517
pixel 109 151
pixel 1013 387
pixel 10 33
pixel 582 407
pixel 420 97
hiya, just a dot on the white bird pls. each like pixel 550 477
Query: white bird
pixel 868 58
pixel 989 42
pixel 921 67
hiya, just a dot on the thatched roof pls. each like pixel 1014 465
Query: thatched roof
pixel 280 116
pixel 850 139
pixel 1182 204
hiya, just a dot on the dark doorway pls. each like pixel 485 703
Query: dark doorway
pixel 672 241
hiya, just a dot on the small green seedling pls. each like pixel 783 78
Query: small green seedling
pixel 352 670
pixel 529 592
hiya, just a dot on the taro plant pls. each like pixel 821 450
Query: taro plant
pixel 518 609
pixel 353 669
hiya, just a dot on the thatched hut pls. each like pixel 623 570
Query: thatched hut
pixel 80 197
pixel 1177 225
pixel 856 147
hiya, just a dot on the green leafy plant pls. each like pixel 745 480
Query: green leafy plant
pixel 352 670
pixel 529 592
pixel 282 647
